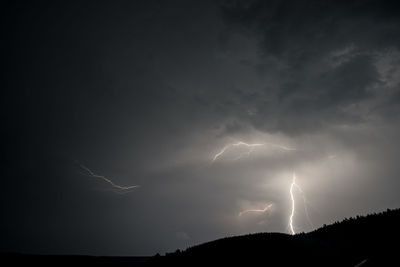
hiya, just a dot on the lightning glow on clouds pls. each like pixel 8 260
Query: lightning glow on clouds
pixel 293 185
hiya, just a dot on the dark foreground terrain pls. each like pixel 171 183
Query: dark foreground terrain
pixel 27 260
pixel 363 241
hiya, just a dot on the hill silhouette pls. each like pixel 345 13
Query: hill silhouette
pixel 362 241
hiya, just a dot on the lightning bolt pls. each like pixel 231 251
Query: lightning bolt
pixel 293 204
pixel 250 146
pixel 292 186
pixel 269 206
pixel 92 174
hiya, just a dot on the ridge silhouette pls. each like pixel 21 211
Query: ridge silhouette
pixel 370 240
pixel 362 241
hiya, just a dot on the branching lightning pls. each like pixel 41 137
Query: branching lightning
pixel 251 148
pixel 92 174
pixel 268 207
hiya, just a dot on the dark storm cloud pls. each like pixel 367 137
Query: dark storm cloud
pixel 306 29
pixel 324 53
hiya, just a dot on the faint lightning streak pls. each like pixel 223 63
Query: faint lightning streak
pixel 281 147
pixel 293 204
pixel 256 210
pixel 251 146
pixel 361 263
pixel 92 174
pixel 305 203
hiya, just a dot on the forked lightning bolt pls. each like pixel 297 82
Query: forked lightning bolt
pixel 92 174
pixel 250 146
pixel 268 207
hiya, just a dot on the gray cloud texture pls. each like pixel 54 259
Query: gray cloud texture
pixel 326 55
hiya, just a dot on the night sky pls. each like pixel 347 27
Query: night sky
pixel 102 94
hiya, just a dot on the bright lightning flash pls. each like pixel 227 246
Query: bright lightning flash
pixel 293 204
pixel 268 207
pixel 250 146
pixel 92 174
pixel 292 186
